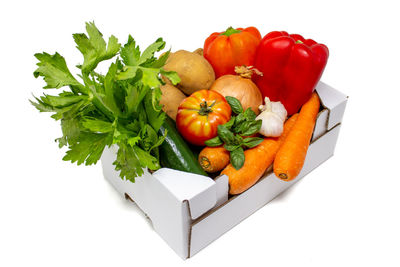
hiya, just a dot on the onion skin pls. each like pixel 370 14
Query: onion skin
pixel 241 88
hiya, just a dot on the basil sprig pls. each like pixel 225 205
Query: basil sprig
pixel 232 133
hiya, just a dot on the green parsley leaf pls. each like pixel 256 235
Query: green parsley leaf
pixel 146 65
pixel 94 48
pixel 148 54
pixel 134 96
pixel 146 160
pixel 154 115
pixel 150 77
pixel 149 137
pixel 160 62
pixel 54 70
pixel 97 126
pixel 62 101
pixel 130 53
pixel 128 163
pixel 88 149
pixel 109 87
pixel 41 105
pixel 71 131
pixel 172 76
pixel 159 141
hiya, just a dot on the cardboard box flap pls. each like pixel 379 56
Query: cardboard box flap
pixel 200 191
pixel 334 101
pixel 222 182
pixel 218 221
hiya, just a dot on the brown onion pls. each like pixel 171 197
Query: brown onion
pixel 241 87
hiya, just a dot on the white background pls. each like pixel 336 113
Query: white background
pixel 345 213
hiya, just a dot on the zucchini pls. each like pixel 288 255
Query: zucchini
pixel 175 152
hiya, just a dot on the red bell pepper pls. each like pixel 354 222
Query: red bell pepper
pixel 291 67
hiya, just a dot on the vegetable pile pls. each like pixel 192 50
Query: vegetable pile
pixel 222 109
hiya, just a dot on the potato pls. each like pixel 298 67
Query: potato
pixel 193 69
pixel 199 51
pixel 170 99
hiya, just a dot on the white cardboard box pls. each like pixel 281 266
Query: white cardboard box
pixel 190 211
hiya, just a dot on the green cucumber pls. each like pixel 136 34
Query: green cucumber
pixel 175 152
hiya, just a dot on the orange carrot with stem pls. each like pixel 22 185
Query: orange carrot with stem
pixel 257 160
pixel 290 158
pixel 213 159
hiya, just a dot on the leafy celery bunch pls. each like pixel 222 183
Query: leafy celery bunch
pixel 121 107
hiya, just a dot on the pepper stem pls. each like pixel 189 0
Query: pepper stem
pixel 230 31
pixel 247 71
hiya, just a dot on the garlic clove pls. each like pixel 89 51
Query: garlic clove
pixel 279 109
pixel 273 116
pixel 272 125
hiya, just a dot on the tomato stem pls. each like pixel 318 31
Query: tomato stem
pixel 205 109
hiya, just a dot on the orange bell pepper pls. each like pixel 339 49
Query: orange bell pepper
pixel 234 47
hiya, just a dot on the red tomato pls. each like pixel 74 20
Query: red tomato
pixel 200 114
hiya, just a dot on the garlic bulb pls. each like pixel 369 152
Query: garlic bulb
pixel 273 116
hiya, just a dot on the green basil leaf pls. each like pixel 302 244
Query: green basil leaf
pixel 253 128
pixel 243 126
pixel 238 121
pixel 237 158
pixel 230 123
pixel 231 147
pixel 251 142
pixel 250 115
pixel 235 104
pixel 238 140
pixel 213 142
pixel 225 134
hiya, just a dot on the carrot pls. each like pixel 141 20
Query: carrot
pixel 290 158
pixel 213 159
pixel 257 160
